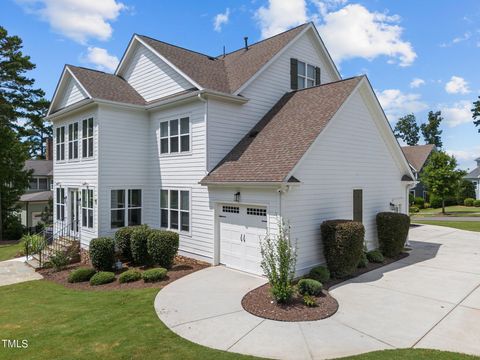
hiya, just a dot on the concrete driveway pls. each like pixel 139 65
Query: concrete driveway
pixel 16 271
pixel 430 299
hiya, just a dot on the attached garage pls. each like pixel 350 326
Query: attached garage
pixel 241 229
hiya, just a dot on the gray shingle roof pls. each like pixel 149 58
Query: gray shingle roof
pixel 474 174
pixel 105 86
pixel 40 167
pixel 274 146
pixel 417 155
pixel 37 196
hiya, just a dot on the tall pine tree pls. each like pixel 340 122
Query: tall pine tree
pixel 476 113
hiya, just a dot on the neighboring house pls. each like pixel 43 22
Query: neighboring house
pixel 220 148
pixel 474 177
pixel 417 157
pixel 35 200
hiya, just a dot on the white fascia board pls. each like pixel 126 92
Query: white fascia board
pixel 69 109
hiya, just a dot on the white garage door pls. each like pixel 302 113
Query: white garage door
pixel 241 228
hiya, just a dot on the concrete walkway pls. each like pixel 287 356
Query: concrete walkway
pixel 430 299
pixel 16 271
pixel 445 218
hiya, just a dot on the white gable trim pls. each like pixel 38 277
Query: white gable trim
pixel 66 71
pixel 130 48
pixel 277 55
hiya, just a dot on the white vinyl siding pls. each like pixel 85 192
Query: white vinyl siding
pixel 151 77
pixel 70 93
pixel 228 123
pixel 329 176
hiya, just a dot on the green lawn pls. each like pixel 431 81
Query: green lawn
pixel 462 225
pixel 69 324
pixel 450 211
pixel 411 354
pixel 9 251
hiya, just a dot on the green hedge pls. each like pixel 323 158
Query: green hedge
pixel 392 230
pixel 476 203
pixel 102 253
pixel 419 202
pixel 468 202
pixel 375 256
pixel 162 247
pixel 342 246
pixel 129 276
pixel 319 273
pixel 122 241
pixel 102 277
pixel 81 275
pixel 154 275
pixel 138 244
pixel 309 287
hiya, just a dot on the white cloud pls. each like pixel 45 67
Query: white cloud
pixel 281 15
pixel 77 19
pixel 458 39
pixel 397 104
pixel 457 85
pixel 101 59
pixel 466 157
pixel 457 114
pixel 417 82
pixel 221 19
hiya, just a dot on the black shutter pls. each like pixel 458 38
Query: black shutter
pixel 317 75
pixel 293 74
pixel 358 205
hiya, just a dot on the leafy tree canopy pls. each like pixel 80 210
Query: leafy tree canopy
pixel 476 113
pixel 431 129
pixel 407 130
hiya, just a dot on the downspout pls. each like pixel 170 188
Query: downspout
pixel 202 99
pixel 407 206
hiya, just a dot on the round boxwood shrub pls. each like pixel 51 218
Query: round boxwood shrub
pixel 476 203
pixel 102 253
pixel 392 230
pixel 122 241
pixel 81 275
pixel 309 287
pixel 375 256
pixel 102 277
pixel 129 276
pixel 319 273
pixel 468 202
pixel 138 245
pixel 162 247
pixel 342 246
pixel 154 275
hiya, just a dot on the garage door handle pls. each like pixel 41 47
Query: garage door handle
pixel 223 216
pixel 264 221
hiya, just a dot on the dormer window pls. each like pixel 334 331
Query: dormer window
pixel 303 75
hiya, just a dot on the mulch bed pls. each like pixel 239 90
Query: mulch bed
pixel 260 301
pixel 183 266
pixel 9 242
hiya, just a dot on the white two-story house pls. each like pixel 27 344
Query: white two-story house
pixel 219 148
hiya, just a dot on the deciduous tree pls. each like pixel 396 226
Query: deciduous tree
pixel 476 113
pixel 431 129
pixel 408 130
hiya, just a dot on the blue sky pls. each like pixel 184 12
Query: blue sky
pixel 419 55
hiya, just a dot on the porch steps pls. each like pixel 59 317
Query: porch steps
pixel 60 244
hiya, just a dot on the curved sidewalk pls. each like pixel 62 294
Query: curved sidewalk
pixel 430 299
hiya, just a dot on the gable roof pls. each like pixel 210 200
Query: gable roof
pixel 417 155
pixel 101 85
pixel 40 167
pixel 270 151
pixel 224 73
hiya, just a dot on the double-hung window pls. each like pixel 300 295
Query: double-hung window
pixel 175 136
pixel 73 141
pixel 175 209
pixel 60 140
pixel 60 203
pixel 87 208
pixel 125 213
pixel 87 138
pixel 305 75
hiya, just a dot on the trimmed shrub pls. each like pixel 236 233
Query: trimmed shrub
pixel 154 275
pixel 138 245
pixel 309 287
pixel 435 202
pixel 81 275
pixel 129 276
pixel 476 203
pixel 309 301
pixel 468 202
pixel 392 230
pixel 319 273
pixel 343 246
pixel 375 256
pixel 162 247
pixel 102 253
pixel 122 241
pixel 426 205
pixel 59 260
pixel 363 261
pixel 102 277
pixel 414 209
pixel 419 202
